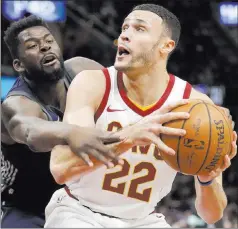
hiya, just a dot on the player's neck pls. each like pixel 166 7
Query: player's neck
pixel 146 88
pixel 53 94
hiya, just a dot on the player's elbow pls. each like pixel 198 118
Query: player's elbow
pixel 213 218
pixel 211 213
pixel 15 127
pixel 59 163
pixel 23 131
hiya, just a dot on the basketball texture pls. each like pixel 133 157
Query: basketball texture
pixel 208 139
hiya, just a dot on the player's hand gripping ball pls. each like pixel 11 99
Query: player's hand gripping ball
pixel 207 141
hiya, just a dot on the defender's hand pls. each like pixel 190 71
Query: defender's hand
pixel 91 141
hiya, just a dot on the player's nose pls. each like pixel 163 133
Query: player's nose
pixel 45 47
pixel 125 37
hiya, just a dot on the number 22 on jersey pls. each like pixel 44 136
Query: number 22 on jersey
pixel 127 169
pixel 124 171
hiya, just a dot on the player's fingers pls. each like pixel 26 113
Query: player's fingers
pixel 228 114
pixel 231 122
pixel 167 108
pixel 85 158
pixel 212 174
pixel 225 111
pixel 110 139
pixel 99 156
pixel 233 125
pixel 234 136
pixel 114 157
pixel 161 146
pixel 234 150
pixel 172 116
pixel 107 152
pixel 158 129
pixel 172 131
pixel 226 163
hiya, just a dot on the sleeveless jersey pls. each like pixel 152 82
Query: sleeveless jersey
pixel 133 190
pixel 27 182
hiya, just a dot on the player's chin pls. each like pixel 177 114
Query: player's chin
pixel 120 66
pixel 53 68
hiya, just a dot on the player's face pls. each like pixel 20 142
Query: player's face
pixel 40 55
pixel 139 41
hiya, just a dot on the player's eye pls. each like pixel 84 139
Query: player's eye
pixel 140 29
pixel 32 46
pixel 124 28
pixel 49 41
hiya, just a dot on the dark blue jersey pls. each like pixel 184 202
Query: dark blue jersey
pixel 26 179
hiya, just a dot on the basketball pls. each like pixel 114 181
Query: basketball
pixel 208 139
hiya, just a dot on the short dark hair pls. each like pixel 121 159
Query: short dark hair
pixel 169 19
pixel 12 32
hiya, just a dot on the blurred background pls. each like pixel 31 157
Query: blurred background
pixel 207 57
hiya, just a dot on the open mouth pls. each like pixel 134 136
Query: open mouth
pixel 49 60
pixel 122 51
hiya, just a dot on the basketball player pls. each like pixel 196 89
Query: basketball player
pixel 30 126
pixel 130 96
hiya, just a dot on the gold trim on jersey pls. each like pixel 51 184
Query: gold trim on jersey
pixel 144 108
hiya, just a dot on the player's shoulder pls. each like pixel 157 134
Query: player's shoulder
pixel 77 64
pixel 89 77
pixel 91 81
pixel 195 94
pixel 94 75
pixel 199 95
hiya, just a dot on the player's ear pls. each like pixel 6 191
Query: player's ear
pixel 167 46
pixel 18 65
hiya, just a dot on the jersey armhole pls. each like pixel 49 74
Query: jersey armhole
pixel 187 91
pixel 105 96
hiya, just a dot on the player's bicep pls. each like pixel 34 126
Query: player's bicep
pixel 84 117
pixel 19 112
pixel 21 106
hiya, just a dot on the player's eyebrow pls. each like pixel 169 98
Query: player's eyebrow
pixel 35 39
pixel 139 21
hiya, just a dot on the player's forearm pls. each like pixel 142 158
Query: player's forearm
pixel 40 135
pixel 210 202
pixel 65 164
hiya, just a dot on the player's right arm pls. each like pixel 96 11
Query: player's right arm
pixel 25 122
pixel 83 99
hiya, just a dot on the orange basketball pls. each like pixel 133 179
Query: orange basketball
pixel 207 141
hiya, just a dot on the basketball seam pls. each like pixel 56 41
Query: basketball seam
pixel 178 144
pixel 225 120
pixel 210 134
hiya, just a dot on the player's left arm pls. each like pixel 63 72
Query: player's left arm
pixel 211 199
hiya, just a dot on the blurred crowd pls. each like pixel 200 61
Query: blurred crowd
pixel 197 59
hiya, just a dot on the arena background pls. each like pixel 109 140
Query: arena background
pixel 207 57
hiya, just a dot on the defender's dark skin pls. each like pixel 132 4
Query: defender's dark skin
pixel 23 119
